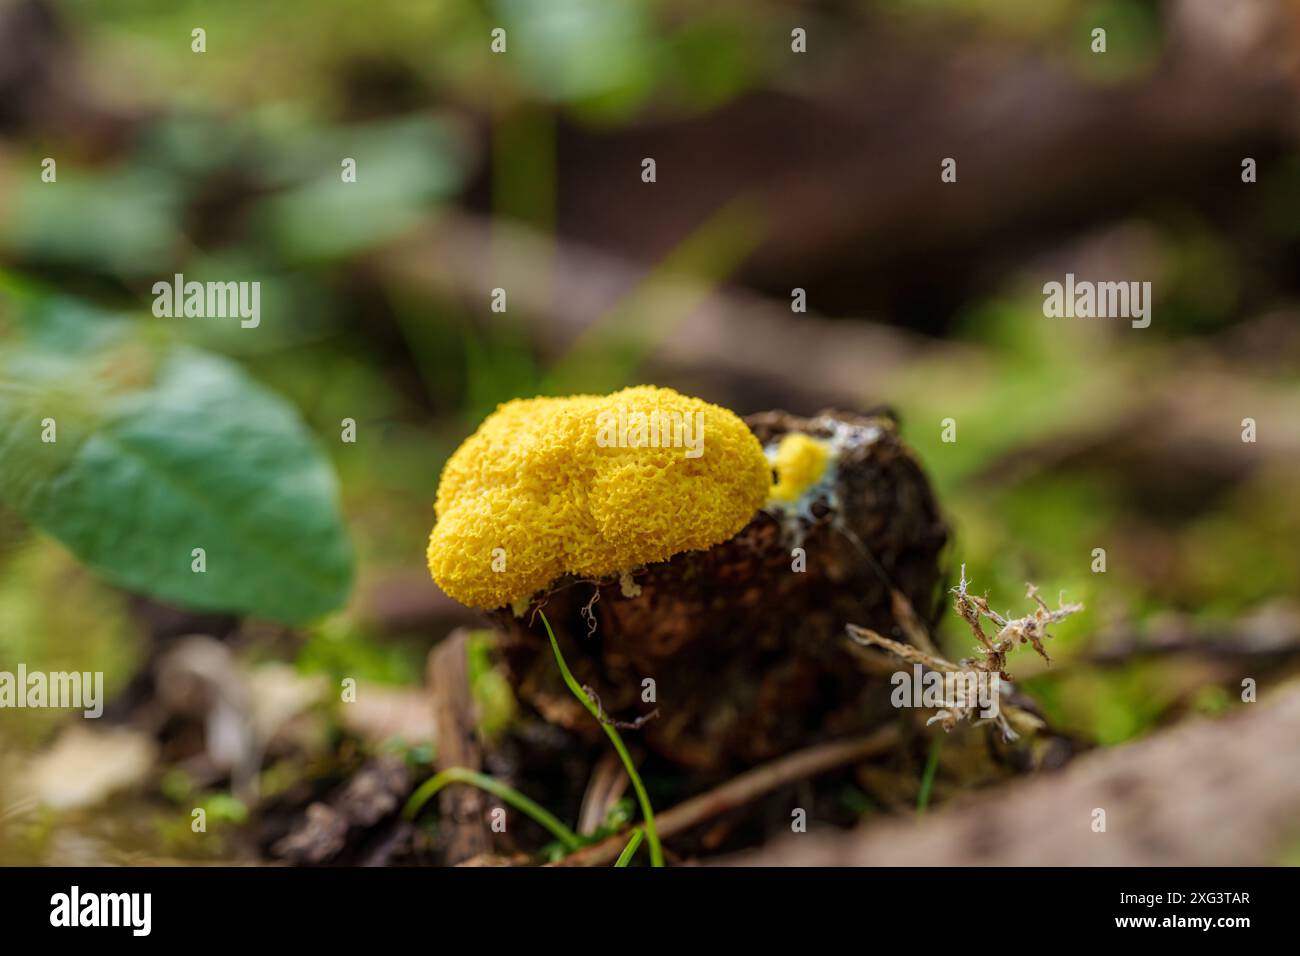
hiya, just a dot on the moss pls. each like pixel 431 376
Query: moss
pixel 591 486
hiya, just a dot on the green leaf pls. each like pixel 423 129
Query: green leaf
pixel 160 452
pixel 135 215
pixel 404 168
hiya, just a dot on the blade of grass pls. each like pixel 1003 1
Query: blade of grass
pixel 607 353
pixel 629 851
pixel 927 776
pixel 510 795
pixel 643 798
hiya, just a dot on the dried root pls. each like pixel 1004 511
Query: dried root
pixel 958 700
pixel 1030 629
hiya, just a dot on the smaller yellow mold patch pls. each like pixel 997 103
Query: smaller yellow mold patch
pixel 590 485
pixel 800 462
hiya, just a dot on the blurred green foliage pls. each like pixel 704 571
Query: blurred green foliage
pixel 341 648
pixel 165 469
pixel 232 173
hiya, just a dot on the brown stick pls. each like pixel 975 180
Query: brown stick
pixel 746 787
pixel 608 783
pixel 465 830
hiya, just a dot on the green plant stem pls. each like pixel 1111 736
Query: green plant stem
pixel 927 776
pixel 647 812
pixel 510 795
pixel 629 851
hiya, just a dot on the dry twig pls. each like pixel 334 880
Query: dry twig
pixel 744 788
pixel 991 660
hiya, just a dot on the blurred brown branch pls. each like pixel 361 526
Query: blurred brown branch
pixel 564 288
pixel 1220 793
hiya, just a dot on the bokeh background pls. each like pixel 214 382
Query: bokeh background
pixel 521 171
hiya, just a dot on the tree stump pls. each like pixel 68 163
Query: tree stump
pixel 741 648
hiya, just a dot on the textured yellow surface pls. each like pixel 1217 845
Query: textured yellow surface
pixel 800 463
pixel 554 486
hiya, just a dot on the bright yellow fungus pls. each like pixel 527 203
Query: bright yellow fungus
pixel 800 462
pixel 592 486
